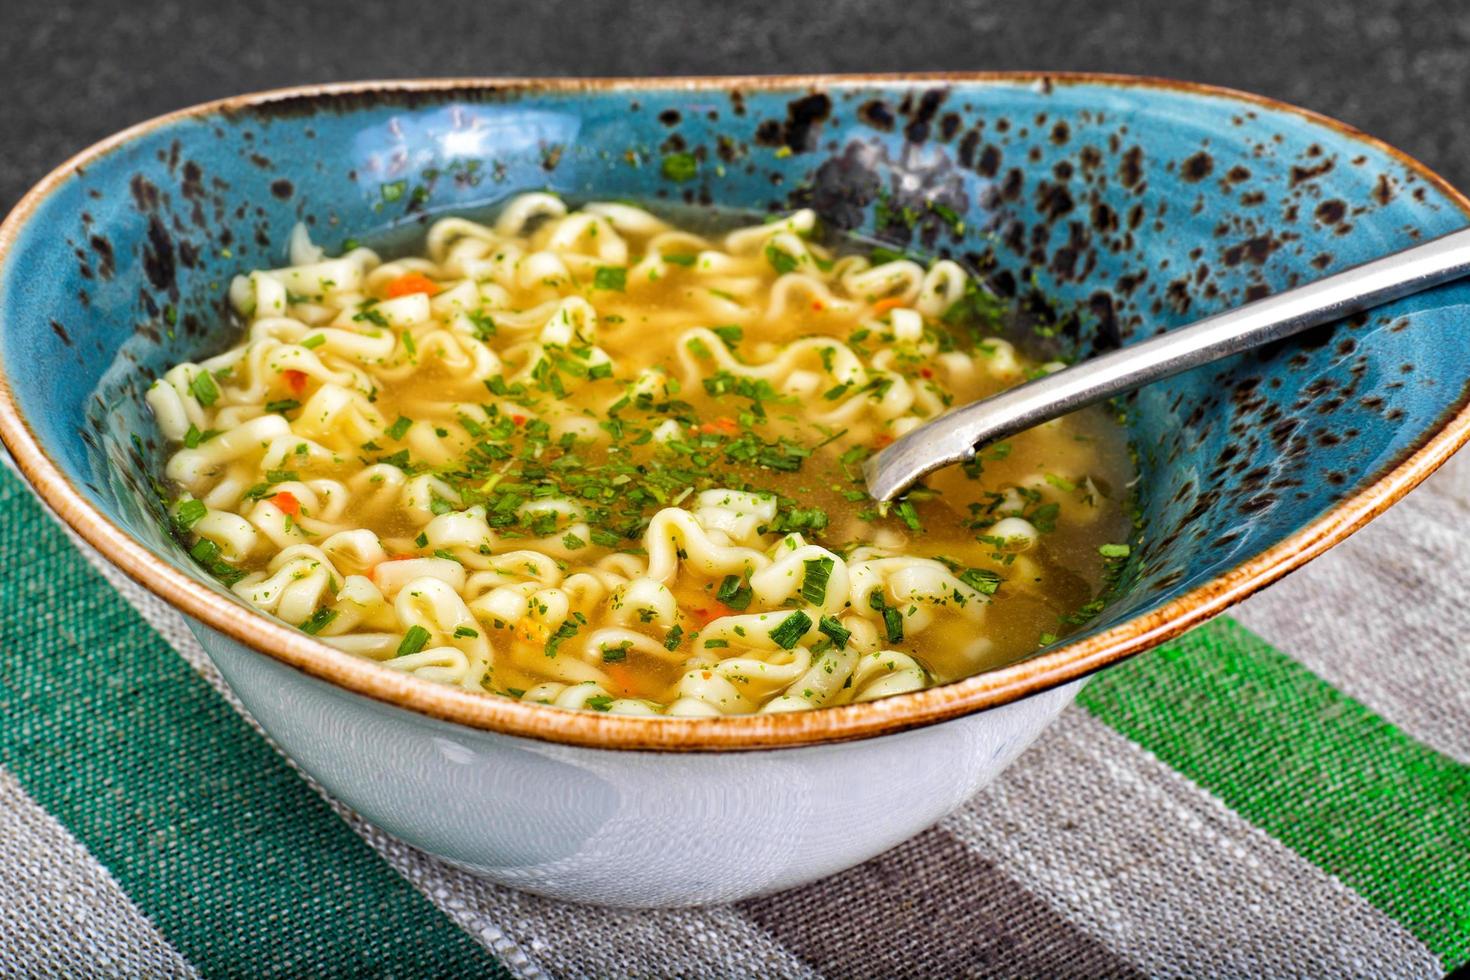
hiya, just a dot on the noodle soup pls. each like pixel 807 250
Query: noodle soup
pixel 590 459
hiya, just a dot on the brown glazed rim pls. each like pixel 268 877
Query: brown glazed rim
pixel 498 714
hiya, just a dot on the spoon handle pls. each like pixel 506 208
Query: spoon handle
pixel 953 437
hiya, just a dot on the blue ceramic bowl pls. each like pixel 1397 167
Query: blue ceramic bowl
pixel 1138 204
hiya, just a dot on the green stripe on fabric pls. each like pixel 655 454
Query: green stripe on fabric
pixel 1315 769
pixel 238 862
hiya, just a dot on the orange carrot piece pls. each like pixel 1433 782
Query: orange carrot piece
pixel 723 424
pixel 295 380
pixel 288 503
pixel 410 283
pixel 884 305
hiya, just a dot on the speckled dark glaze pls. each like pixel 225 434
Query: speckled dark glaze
pixel 1136 206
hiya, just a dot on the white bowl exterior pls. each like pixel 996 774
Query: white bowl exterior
pixel 636 829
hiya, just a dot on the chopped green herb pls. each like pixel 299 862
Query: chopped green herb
pixel 789 633
pixel 483 323
pixel 194 437
pixel 465 632
pixel 734 592
pixel 283 406
pixel 565 631
pixel 981 580
pixel 782 262
pixel 833 629
pixel 730 333
pixel 908 515
pixel 675 637
pixel 413 641
pixel 680 166
pixel 315 340
pixel 189 513
pixel 318 621
pixel 205 391
pixel 1114 550
pixel 601 702
pixel 1061 483
pixel 814 579
pixel 611 277
pixel 399 428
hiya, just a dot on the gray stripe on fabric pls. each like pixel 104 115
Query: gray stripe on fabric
pixel 931 908
pixel 1163 872
pixel 1385 616
pixel 61 912
pixel 533 937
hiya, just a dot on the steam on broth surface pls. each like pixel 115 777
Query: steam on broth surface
pixel 590 459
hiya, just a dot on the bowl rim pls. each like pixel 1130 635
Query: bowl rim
pixel 782 730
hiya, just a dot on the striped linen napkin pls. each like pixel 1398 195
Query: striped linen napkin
pixel 1281 793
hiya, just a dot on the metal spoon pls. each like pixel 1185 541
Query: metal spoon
pixel 955 437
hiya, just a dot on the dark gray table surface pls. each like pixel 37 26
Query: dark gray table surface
pixel 75 71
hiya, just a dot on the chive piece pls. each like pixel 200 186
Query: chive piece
pixel 318 621
pixel 617 654
pixel 565 631
pixel 981 580
pixel 892 618
pixel 680 258
pixel 283 406
pixel 834 630
pixel 205 391
pixel 413 641
pixel 680 166
pixel 408 344
pixel 716 644
pixel 734 593
pixel 190 512
pixel 194 437
pixel 596 372
pixel 814 581
pixel 675 637
pixel 484 325
pixel 791 630
pixel 465 632
pixel 601 702
pixel 315 340
pixel 399 428
pixel 370 316
pixel 610 277
pixel 893 624
pixel 730 333
pixel 782 262
pixel 909 515
pixel 1114 550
